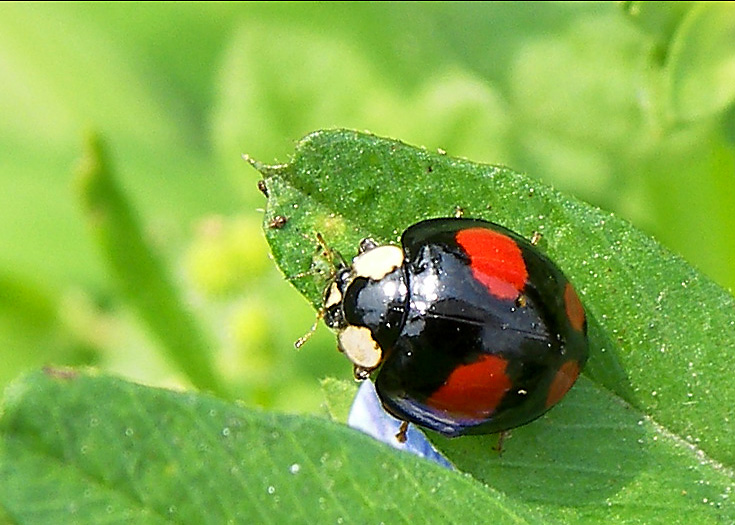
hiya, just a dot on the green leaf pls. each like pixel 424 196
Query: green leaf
pixel 139 272
pixel 701 71
pixel 649 426
pixel 76 448
pixel 338 396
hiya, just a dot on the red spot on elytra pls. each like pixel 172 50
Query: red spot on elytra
pixel 563 381
pixel 495 260
pixel 473 390
pixel 574 308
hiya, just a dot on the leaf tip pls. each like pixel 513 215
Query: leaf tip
pixel 250 160
pixel 266 170
pixel 92 169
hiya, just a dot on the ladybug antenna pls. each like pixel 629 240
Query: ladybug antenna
pixel 330 254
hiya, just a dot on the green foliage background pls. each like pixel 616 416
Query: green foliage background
pixel 131 241
pixel 627 106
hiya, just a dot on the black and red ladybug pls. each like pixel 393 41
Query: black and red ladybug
pixel 470 329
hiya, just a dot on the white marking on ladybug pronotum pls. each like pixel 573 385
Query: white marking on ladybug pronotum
pixel 378 262
pixel 334 296
pixel 358 345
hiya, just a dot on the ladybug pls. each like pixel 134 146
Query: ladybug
pixel 467 327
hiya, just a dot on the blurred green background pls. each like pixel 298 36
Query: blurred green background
pixel 625 105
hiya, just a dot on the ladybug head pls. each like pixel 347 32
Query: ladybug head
pixel 333 296
pixel 364 304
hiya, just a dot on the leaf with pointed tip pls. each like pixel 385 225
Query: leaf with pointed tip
pixel 647 430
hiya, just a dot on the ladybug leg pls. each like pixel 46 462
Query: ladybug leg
pixel 458 212
pixel 536 237
pixel 304 338
pixel 521 301
pixel 501 438
pixel 402 431
pixel 366 245
pixel 361 373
